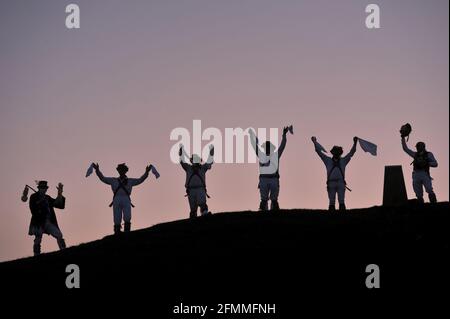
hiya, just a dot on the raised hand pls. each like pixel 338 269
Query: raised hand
pixel 60 188
pixel 148 168
pixel 355 139
pixel 211 150
pixel 314 139
pixel 96 166
pixel 180 151
pixel 285 130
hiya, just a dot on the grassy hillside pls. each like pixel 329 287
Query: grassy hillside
pixel 258 254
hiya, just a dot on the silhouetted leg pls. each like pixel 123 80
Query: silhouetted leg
pixel 341 195
pixel 331 189
pixel 117 229
pixel 117 215
pixel 201 200
pixel 192 197
pixel 264 193
pixel 432 198
pixel 56 233
pixel 417 186
pixel 274 192
pixel 428 184
pixel 37 244
pixel 126 214
pixel 263 205
pixel 274 205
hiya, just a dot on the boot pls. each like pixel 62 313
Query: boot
pixel 127 227
pixel 420 200
pixel 263 205
pixel 117 230
pixel 36 249
pixel 274 205
pixel 61 243
pixel 192 215
pixel 342 207
pixel 432 197
pixel 331 208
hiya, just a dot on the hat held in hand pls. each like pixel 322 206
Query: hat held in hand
pixel 405 130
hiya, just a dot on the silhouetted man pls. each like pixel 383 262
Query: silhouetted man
pixel 335 166
pixel 423 160
pixel 196 181
pixel 269 175
pixel 121 187
pixel 43 217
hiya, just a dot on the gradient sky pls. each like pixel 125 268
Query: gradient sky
pixel 113 90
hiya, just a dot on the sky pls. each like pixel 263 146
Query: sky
pixel 113 90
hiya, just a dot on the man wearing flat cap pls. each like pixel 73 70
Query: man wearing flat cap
pixel 121 187
pixel 335 166
pixel 43 219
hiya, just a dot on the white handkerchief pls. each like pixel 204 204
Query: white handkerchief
pixel 90 170
pixel 155 172
pixel 368 146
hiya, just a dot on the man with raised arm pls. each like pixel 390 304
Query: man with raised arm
pixel 269 174
pixel 43 220
pixel 121 187
pixel 423 161
pixel 196 180
pixel 335 167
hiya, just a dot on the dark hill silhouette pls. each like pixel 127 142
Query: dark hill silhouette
pixel 258 254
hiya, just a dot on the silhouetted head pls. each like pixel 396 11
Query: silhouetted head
pixel 42 187
pixel 195 159
pixel 420 147
pixel 268 147
pixel 336 151
pixel 122 169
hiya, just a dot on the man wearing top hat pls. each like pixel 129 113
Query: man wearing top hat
pixel 43 219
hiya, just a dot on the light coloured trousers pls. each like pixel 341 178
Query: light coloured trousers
pixel 269 188
pixel 333 188
pixel 197 198
pixel 121 208
pixel 422 179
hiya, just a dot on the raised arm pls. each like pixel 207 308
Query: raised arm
pixel 140 180
pixel 210 159
pixel 106 180
pixel 254 141
pixel 407 149
pixel 283 142
pixel 183 155
pixel 350 154
pixel 318 149
pixel 60 200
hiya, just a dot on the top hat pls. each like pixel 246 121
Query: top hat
pixel 42 185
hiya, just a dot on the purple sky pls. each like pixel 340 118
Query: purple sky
pixel 113 90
